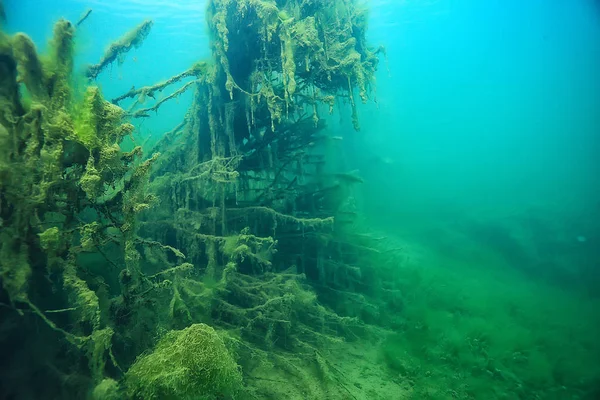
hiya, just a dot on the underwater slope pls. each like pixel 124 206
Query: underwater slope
pixel 471 326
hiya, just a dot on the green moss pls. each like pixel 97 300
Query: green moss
pixel 288 64
pixel 100 344
pixel 47 79
pixel 4 145
pixel 59 66
pixel 14 267
pixel 91 181
pixel 86 117
pixel 83 298
pixel 50 239
pixel 29 66
pixel 89 236
pixel 107 389
pixel 178 311
pixel 189 364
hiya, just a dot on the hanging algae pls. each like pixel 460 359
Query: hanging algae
pixel 297 52
pixel 245 184
pixel 251 153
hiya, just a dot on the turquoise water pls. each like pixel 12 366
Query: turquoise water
pixel 489 114
pixel 493 105
pixel 488 105
pixel 475 253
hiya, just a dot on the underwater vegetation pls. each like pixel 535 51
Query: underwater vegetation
pixel 110 282
pixel 227 261
pixel 185 364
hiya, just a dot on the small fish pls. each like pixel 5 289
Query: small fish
pixel 349 213
pixel 350 177
pixel 327 138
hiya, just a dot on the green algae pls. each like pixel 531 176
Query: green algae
pixel 107 389
pixel 188 364
pixel 58 162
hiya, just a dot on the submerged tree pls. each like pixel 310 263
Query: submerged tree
pixel 253 151
pixel 248 208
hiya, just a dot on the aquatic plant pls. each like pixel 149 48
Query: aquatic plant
pixel 60 161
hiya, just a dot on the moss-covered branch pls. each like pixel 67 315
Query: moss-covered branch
pixel 144 111
pixel 199 70
pixel 132 39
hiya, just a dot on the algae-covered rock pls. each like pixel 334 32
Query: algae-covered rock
pixel 189 364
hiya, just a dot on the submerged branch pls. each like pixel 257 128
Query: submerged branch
pixel 143 113
pixel 179 268
pixel 133 38
pixel 197 70
pixel 153 243
pixel 74 339
pixel 83 17
pixel 284 217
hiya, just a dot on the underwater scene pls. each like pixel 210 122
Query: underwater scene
pixel 299 199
